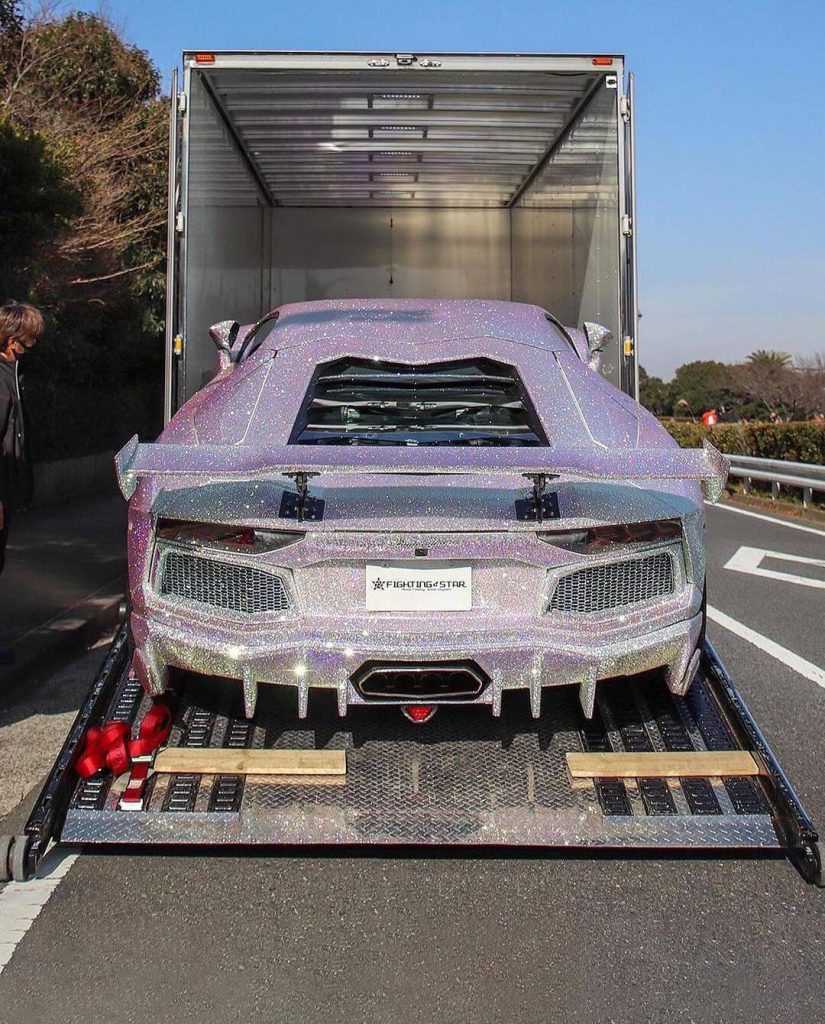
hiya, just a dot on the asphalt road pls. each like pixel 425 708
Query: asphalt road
pixel 183 937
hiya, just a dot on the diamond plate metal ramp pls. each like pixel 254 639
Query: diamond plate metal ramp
pixel 464 779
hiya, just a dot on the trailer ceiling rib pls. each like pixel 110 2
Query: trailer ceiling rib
pixel 344 139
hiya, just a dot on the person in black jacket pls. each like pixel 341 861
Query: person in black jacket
pixel 20 327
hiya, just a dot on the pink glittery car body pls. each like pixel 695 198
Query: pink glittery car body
pixel 410 502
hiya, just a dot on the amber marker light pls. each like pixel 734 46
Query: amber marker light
pixel 603 62
pixel 204 58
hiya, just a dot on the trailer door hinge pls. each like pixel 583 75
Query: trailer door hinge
pixel 624 107
pixel 180 222
pixel 182 103
pixel 627 225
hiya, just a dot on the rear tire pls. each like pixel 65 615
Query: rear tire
pixel 19 860
pixel 5 858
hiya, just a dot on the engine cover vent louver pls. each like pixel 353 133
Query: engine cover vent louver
pixel 236 588
pixel 600 588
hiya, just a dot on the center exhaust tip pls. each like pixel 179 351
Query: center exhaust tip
pixel 402 682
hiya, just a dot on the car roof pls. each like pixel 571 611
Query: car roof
pixel 417 321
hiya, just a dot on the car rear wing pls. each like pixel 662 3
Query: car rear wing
pixel 216 463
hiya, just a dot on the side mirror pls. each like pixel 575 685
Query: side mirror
pixel 598 338
pixel 224 334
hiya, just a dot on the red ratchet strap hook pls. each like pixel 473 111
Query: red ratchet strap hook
pixel 110 747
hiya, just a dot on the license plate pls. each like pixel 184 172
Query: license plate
pixel 411 587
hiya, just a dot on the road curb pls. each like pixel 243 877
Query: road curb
pixel 41 649
pixel 777 509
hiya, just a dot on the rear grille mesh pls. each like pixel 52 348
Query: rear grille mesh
pixel 599 588
pixel 236 588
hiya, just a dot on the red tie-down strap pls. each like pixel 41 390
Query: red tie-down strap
pixel 110 746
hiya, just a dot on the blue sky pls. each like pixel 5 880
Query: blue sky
pixel 730 135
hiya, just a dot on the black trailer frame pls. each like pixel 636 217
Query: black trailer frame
pixel 410 786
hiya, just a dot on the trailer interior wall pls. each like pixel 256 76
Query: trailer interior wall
pixel 504 186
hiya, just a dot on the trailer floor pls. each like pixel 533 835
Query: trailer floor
pixel 464 778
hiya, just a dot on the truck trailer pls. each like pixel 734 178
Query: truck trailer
pixel 306 177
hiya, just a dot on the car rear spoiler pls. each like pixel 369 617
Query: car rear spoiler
pixel 216 463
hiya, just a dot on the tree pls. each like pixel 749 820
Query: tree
pixel 775 389
pixel 94 101
pixel 11 21
pixel 36 204
pixel 83 138
pixel 812 372
pixel 769 358
pixel 701 385
pixel 654 394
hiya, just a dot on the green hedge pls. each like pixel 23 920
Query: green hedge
pixel 794 442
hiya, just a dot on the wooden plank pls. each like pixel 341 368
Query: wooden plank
pixel 687 764
pixel 208 761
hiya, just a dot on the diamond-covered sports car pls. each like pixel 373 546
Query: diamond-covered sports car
pixel 415 503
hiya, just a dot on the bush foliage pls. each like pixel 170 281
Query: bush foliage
pixel 795 442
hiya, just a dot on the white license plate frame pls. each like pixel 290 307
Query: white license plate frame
pixel 404 586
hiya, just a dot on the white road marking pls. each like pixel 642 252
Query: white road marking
pixel 21 902
pixel 768 519
pixel 749 560
pixel 800 665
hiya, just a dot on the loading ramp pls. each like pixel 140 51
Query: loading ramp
pixel 464 779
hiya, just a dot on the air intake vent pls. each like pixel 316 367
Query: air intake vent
pixel 466 401
pixel 599 588
pixel 236 588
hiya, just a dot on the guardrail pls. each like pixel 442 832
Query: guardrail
pixel 803 475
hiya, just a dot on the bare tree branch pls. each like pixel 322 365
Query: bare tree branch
pixel 117 273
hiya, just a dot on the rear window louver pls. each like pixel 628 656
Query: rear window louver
pixel 472 401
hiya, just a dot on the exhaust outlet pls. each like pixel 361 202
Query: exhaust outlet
pixel 401 682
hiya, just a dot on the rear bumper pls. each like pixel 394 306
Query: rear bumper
pixel 512 659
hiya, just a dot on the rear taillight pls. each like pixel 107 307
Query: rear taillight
pixel 603 538
pixel 247 539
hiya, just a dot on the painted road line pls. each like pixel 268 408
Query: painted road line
pixel 768 519
pixel 749 560
pixel 800 665
pixel 21 902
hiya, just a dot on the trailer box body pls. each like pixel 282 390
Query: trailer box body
pixel 299 176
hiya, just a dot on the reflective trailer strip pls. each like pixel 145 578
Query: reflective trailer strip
pixel 800 665
pixel 21 902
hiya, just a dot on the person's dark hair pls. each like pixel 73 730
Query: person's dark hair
pixel 18 319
